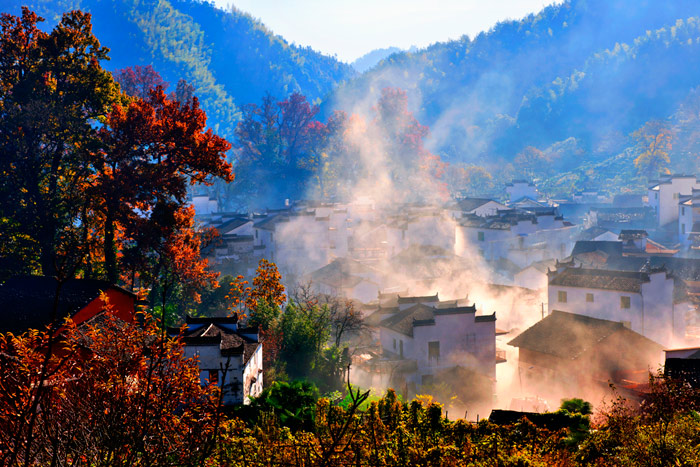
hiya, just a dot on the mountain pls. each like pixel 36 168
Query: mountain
pixel 583 69
pixel 370 59
pixel 231 58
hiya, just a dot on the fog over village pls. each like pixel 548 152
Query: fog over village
pixel 218 247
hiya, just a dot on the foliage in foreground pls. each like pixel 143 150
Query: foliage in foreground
pixel 105 393
pixel 113 394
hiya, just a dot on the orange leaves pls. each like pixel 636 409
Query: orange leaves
pixel 237 297
pixel 267 286
pixel 128 395
pixel 654 142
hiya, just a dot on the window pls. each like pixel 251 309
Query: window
pixel 561 296
pixel 394 344
pixel 480 236
pixel 401 349
pixel 434 351
pixel 676 195
pixel 682 210
pixel 656 195
pixel 256 234
pixel 471 342
pixel 624 302
pixel 682 228
pixel 589 297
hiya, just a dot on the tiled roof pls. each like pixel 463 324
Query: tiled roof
pixel 27 302
pixel 687 269
pixel 270 221
pixel 424 315
pixel 633 234
pixel 610 248
pixel 222 332
pixel 341 272
pixel 418 299
pixel 232 224
pixel 602 279
pixel 402 322
pixel 568 335
pixel 469 204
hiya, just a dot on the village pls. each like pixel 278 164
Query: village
pixel 524 300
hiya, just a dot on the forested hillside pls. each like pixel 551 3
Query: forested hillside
pixel 595 70
pixel 229 57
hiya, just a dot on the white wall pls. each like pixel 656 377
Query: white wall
pixel 651 312
pixel 463 342
pixel 210 358
pixel 531 278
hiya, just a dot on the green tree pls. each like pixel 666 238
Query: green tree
pixel 53 94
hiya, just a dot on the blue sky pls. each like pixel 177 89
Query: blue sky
pixel 350 29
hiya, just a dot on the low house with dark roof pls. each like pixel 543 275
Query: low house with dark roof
pixel 642 300
pixel 478 206
pixel 346 277
pixel 27 302
pixel 581 355
pixel 683 365
pixel 523 236
pixel 596 233
pixel 535 276
pixel 438 335
pixel 227 354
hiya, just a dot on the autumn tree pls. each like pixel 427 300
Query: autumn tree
pixel 469 180
pixel 184 92
pixel 116 394
pixel 151 150
pixel 139 81
pixel 403 143
pixel 52 95
pixel 267 286
pixel 281 141
pixel 654 141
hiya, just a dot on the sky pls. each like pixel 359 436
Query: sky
pixel 351 28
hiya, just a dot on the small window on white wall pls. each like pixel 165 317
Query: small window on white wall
pixel 434 351
pixel 625 302
pixel 561 296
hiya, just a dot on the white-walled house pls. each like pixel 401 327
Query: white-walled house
pixel 226 354
pixel 643 301
pixel 203 204
pixel 519 189
pixel 665 194
pixel 477 206
pixel 521 237
pixel 439 336
pixel 535 275
pixel 348 278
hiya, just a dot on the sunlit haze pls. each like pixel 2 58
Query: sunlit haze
pixel 351 29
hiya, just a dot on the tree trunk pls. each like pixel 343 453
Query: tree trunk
pixel 110 247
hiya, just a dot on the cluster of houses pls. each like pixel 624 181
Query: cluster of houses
pixel 578 293
pixel 591 288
